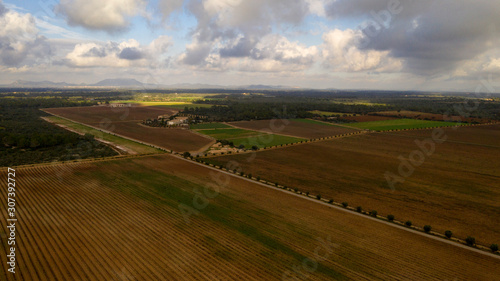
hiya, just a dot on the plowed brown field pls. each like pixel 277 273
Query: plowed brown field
pixel 119 220
pixel 457 188
pixel 308 130
pixel 126 122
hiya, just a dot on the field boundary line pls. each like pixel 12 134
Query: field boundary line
pixel 449 242
pixel 112 145
pixel 339 125
pixel 112 133
pixel 309 141
pixel 262 131
pixel 451 141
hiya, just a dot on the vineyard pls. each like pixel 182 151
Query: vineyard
pixel 299 128
pixel 120 220
pixel 125 121
pixel 456 188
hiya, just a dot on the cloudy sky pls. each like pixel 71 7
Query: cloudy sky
pixel 345 44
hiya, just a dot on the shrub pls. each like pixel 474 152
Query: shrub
pixel 471 241
pixel 307 193
pixel 427 228
pixel 494 247
pixel 374 213
pixel 330 201
pixel 258 178
pixel 390 217
pixel 408 223
pixel 249 176
pixel 448 234
pixel 318 196
pixel 359 209
pixel 345 204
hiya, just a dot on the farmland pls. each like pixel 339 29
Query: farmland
pixel 369 118
pixel 130 145
pixel 126 122
pixel 401 124
pixel 166 104
pixel 206 126
pixel 249 138
pixel 457 187
pixel 488 135
pixel 328 113
pixel 301 128
pixel 120 220
pixel 430 116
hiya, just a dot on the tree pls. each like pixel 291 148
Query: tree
pixel 241 146
pixel 345 204
pixel 408 223
pixel 471 241
pixel 494 247
pixel 374 213
pixel 330 201
pixel 427 228
pixel 448 234
pixel 390 217
pixel 186 154
pixel 318 196
pixel 359 209
pixel 254 147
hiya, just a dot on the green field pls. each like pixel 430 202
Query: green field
pixel 168 104
pixel 327 113
pixel 250 138
pixel 229 134
pixel 400 124
pixel 310 121
pixel 207 126
pixel 265 140
pixel 137 147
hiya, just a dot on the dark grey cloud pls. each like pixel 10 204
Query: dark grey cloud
pixel 96 52
pixel 3 9
pixel 242 48
pixel 239 26
pixel 131 54
pixel 29 53
pixel 430 36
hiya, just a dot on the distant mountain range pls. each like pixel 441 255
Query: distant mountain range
pixel 132 84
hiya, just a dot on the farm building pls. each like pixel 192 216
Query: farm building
pixel 120 105
pixel 178 121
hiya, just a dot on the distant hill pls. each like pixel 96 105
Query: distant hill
pixel 118 83
pixel 39 84
pixel 134 84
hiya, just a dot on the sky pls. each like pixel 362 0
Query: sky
pixel 424 45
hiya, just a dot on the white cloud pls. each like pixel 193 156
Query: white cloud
pixel 20 43
pixel 125 54
pixel 273 53
pixel 108 15
pixel 340 52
